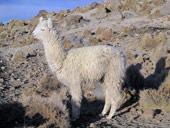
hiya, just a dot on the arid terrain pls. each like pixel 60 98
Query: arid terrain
pixel 31 96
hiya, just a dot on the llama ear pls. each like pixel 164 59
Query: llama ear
pixel 40 19
pixel 50 24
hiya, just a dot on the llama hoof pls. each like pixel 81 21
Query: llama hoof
pixel 109 117
pixel 101 115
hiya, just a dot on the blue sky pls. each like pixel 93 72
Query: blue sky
pixel 26 9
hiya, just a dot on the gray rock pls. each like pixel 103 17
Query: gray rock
pixel 101 13
pixel 115 16
pixel 165 9
pixel 71 20
pixel 1 24
pixel 19 56
pixel 112 4
pixel 128 14
pixel 94 5
pixel 75 40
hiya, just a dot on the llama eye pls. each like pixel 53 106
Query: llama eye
pixel 42 29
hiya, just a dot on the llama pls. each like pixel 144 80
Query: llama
pixel 83 66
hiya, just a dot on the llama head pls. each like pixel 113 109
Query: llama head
pixel 43 28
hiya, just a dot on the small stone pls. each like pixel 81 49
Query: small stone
pixel 2 68
pixel 139 59
pixel 87 33
pixel 12 88
pixel 107 34
pixel 92 125
pixel 140 112
pixel 131 119
pixel 128 15
pixel 1 88
pixel 1 80
pixel 19 56
pixel 148 114
pixel 133 110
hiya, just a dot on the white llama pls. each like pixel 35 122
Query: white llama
pixel 86 65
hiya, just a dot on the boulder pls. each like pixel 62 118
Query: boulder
pixel 101 13
pixel 112 4
pixel 71 20
pixel 115 16
pixel 1 24
pixel 165 9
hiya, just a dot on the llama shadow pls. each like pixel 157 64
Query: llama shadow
pixel 135 81
pixel 13 115
pixel 88 113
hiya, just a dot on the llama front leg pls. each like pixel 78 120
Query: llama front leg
pixel 76 94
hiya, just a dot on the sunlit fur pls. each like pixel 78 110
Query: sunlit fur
pixel 86 65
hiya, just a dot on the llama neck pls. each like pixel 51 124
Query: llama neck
pixel 54 51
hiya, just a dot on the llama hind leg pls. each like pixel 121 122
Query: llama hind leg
pixel 115 100
pixel 76 94
pixel 107 104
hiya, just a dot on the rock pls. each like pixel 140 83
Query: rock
pixel 112 4
pixel 1 24
pixel 71 20
pixel 94 41
pixel 128 14
pixel 107 34
pixel 87 33
pixel 42 13
pixel 168 18
pixel 101 13
pixel 2 68
pixel 1 80
pixel 167 63
pixel 92 125
pixel 131 119
pixel 99 30
pixel 67 44
pixel 156 14
pixel 19 56
pixel 16 23
pixel 148 114
pixel 133 110
pixel 75 40
pixel 115 16
pixel 94 5
pixel 165 9
pixel 158 2
pixel 139 59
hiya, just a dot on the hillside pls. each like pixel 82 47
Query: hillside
pixel 31 96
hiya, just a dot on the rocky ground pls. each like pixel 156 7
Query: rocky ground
pixel 140 28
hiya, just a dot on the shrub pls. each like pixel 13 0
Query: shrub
pixel 47 101
pixel 157 99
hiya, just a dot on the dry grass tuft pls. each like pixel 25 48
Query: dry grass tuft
pixel 155 14
pixel 158 2
pixel 157 99
pixel 94 41
pixel 47 102
pixel 129 55
pixel 67 44
pixel 129 5
pixel 149 42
